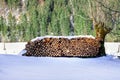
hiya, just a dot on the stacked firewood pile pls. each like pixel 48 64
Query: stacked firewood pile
pixel 63 47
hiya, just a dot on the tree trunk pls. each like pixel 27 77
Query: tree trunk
pixel 101 31
pixel 72 13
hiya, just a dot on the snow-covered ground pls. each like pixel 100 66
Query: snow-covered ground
pixel 16 67
pixel 113 48
pixel 12 48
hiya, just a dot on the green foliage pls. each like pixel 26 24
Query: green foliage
pixel 52 17
pixel 2 27
pixel 12 3
pixel 12 28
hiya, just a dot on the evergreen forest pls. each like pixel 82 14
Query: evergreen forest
pixel 23 20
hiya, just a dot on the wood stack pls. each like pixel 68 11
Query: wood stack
pixel 63 47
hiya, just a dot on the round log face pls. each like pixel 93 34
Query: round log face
pixel 63 47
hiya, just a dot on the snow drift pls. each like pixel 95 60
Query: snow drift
pixel 13 67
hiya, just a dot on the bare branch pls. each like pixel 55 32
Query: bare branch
pixel 107 7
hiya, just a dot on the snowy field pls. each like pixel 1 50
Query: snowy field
pixel 13 66
pixel 12 48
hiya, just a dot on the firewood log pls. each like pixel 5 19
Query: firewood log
pixel 63 47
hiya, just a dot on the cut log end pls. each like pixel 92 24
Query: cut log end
pixel 63 47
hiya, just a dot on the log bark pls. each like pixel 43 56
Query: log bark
pixel 64 47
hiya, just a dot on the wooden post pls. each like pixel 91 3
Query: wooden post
pixel 119 49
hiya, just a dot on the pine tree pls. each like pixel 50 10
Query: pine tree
pixel 12 27
pixel 3 29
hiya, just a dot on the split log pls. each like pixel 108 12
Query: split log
pixel 63 47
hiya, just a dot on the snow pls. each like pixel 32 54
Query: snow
pixel 12 48
pixel 14 67
pixel 112 48
pixel 69 37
